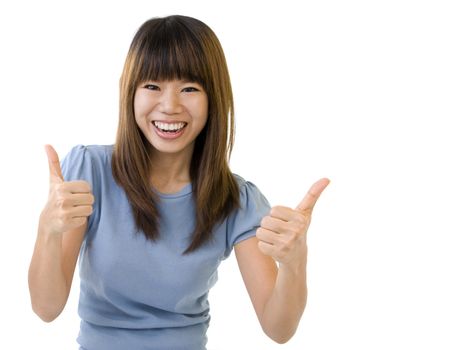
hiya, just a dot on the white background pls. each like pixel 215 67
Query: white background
pixel 357 91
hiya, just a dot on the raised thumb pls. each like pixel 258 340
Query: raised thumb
pixel 54 164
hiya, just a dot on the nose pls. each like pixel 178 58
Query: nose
pixel 170 103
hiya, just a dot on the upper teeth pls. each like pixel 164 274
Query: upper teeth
pixel 169 126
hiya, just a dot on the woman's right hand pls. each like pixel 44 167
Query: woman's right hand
pixel 69 203
pixel 62 227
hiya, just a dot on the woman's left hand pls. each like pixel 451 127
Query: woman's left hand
pixel 282 233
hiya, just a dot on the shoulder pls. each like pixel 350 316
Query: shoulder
pixel 243 222
pixel 243 185
pixel 89 154
pixel 251 197
pixel 239 180
pixel 247 189
pixel 86 162
pixel 100 152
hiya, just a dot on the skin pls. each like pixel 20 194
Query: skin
pixel 61 229
pixel 272 264
pixel 279 294
pixel 171 101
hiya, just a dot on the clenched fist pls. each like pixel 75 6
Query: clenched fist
pixel 69 203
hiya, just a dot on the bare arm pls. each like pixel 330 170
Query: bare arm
pixel 279 295
pixel 52 269
pixel 61 230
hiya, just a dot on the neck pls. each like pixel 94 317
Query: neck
pixel 170 172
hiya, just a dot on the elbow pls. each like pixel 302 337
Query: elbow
pixel 281 337
pixel 279 330
pixel 45 315
pixel 46 307
pixel 281 340
pixel 47 318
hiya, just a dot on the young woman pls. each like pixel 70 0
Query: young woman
pixel 151 217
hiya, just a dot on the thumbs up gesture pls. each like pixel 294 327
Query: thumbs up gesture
pixel 69 203
pixel 282 233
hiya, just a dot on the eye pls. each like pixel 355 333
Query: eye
pixel 190 89
pixel 151 87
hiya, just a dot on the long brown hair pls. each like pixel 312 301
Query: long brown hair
pixel 178 47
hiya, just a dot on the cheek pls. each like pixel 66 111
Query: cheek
pixel 202 119
pixel 139 111
pixel 137 105
pixel 141 104
pixel 202 110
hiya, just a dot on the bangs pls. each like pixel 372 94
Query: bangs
pixel 178 48
pixel 172 52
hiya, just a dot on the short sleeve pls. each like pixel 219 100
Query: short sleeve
pixel 79 164
pixel 245 221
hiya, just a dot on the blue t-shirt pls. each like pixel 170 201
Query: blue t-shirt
pixel 139 294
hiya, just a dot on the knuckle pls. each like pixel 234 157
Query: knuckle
pixel 264 220
pixel 56 192
pixel 300 219
pixel 63 187
pixel 60 202
pixel 299 228
pixel 86 186
pixel 291 238
pixel 59 187
pixel 275 210
pixel 300 223
pixel 294 233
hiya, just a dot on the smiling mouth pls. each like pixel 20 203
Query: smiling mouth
pixel 169 127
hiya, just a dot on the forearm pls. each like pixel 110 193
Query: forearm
pixel 286 304
pixel 47 284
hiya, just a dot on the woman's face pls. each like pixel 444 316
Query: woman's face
pixel 171 114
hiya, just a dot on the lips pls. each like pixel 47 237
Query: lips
pixel 169 127
pixel 169 130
